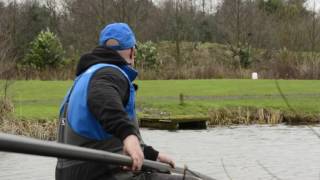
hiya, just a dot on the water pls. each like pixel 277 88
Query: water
pixel 253 152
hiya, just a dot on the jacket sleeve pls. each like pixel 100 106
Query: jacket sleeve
pixel 108 92
pixel 150 153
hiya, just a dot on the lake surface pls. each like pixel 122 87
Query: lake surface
pixel 245 152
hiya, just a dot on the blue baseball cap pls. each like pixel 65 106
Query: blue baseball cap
pixel 120 32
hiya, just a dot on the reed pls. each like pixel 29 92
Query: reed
pixel 252 115
pixel 6 106
pixel 47 130
pixel 40 129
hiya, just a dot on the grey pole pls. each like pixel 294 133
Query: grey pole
pixel 25 145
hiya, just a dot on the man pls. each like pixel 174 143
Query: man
pixel 99 110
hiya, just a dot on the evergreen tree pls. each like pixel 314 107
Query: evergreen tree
pixel 45 51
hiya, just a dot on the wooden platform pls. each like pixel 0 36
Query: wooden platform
pixel 174 123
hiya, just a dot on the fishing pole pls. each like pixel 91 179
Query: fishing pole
pixel 25 145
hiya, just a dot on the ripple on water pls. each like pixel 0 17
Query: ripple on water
pixel 18 166
pixel 247 152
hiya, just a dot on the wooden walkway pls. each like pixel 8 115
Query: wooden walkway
pixel 175 123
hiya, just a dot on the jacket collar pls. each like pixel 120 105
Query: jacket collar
pixel 131 73
pixel 99 55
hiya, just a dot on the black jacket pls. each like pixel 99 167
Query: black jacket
pixel 108 94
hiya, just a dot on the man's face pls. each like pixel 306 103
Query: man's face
pixel 132 56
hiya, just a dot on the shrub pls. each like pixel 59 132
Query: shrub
pixel 147 55
pixel 45 52
pixel 244 54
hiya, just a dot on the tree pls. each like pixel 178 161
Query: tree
pixel 45 51
pixel 25 20
pixel 147 55
pixel 237 24
pixel 270 6
pixel 312 26
pixel 83 20
pixel 311 23
pixel 7 70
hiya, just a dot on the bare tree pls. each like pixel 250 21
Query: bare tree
pixel 312 28
pixel 233 20
pixel 7 65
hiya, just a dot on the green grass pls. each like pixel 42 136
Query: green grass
pixel 303 96
pixel 226 87
pixel 38 99
pixel 41 99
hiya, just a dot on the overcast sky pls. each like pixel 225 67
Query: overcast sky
pixel 309 3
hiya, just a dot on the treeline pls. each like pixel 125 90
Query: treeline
pixel 189 38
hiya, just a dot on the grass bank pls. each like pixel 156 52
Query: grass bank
pixel 218 100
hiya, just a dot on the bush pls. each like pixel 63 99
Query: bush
pixel 244 55
pixel 45 52
pixel 147 55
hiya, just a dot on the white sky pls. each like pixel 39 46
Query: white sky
pixel 309 4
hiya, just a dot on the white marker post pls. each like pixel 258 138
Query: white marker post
pixel 254 75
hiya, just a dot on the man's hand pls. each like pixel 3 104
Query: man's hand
pixel 131 147
pixel 166 159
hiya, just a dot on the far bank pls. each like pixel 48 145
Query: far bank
pixel 222 101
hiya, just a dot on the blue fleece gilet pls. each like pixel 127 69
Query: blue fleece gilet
pixel 79 118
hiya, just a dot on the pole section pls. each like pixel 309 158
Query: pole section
pixel 25 145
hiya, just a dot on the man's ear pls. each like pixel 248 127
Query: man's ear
pixel 131 53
